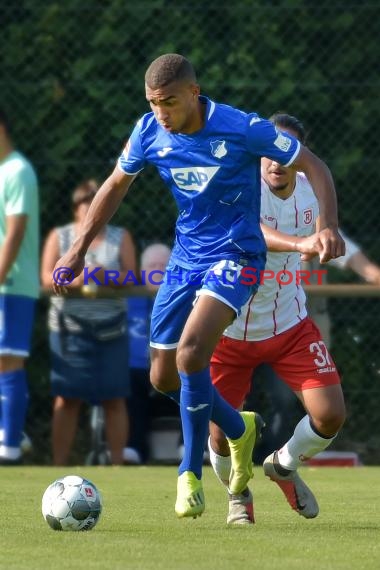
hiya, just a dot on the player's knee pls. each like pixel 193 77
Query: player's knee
pixel 191 358
pixel 157 380
pixel 164 380
pixel 334 425
pixel 339 416
pixel 339 419
pixel 331 423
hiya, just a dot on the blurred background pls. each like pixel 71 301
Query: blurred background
pixel 72 81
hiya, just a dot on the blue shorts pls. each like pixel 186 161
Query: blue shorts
pixel 16 324
pixel 88 369
pixel 225 280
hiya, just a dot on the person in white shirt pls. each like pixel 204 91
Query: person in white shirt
pixel 282 335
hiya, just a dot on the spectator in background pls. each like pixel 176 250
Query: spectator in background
pixel 89 360
pixel 355 260
pixel 154 260
pixel 19 287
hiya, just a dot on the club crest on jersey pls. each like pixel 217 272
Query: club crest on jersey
pixel 307 216
pixel 193 178
pixel 218 148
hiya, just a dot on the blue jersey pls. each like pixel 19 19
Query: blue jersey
pixel 214 176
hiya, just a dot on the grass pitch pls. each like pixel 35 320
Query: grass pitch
pixel 138 528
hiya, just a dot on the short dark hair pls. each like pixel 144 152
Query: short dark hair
pixel 85 192
pixel 281 119
pixel 169 68
pixel 4 120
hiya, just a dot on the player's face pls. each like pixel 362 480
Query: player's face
pixel 280 179
pixel 176 107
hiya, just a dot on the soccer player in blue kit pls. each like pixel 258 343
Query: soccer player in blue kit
pixel 208 154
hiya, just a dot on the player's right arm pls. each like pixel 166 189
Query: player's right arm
pixel 103 206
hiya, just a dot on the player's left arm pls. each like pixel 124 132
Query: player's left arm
pixel 321 180
pixel 15 231
pixel 277 241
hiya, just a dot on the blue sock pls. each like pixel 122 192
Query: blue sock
pixel 195 407
pixel 14 402
pixel 222 414
pixel 226 417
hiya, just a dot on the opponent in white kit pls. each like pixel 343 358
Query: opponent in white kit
pixel 274 328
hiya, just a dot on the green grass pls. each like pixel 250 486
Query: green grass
pixel 138 528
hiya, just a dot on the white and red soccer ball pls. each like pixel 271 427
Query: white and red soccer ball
pixel 71 503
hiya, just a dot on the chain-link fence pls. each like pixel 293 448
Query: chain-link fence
pixel 72 81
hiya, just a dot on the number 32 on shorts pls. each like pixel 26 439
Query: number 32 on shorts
pixel 322 354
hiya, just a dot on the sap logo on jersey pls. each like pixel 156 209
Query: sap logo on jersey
pixel 194 178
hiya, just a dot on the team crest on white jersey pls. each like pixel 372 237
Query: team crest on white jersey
pixel 194 178
pixel 307 216
pixel 218 148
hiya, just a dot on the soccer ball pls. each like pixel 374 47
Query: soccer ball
pixel 71 503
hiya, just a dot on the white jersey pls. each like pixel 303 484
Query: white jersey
pixel 279 303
